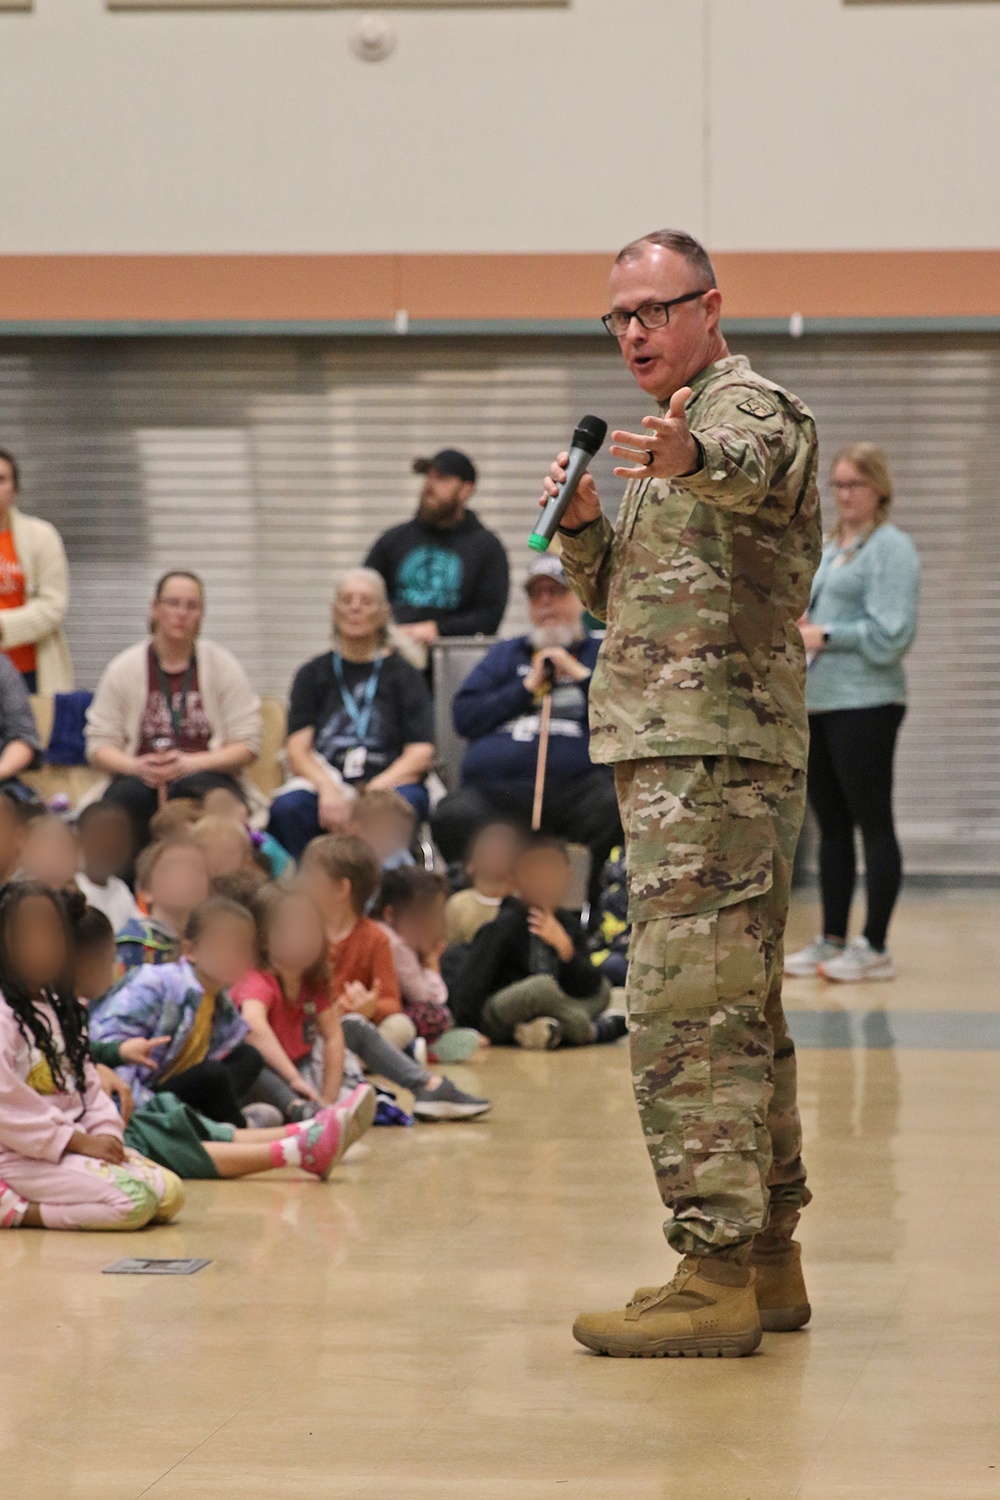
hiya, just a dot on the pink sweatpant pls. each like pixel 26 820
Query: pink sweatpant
pixel 80 1192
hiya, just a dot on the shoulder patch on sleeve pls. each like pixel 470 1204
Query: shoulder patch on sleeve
pixel 755 406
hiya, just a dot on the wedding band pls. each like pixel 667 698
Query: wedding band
pixel 649 458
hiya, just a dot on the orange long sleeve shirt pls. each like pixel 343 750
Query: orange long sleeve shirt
pixel 365 954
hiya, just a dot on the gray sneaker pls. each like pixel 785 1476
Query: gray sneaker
pixel 447 1102
pixel 805 963
pixel 859 964
pixel 263 1117
pixel 543 1034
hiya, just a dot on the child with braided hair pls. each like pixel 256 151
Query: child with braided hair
pixel 63 1161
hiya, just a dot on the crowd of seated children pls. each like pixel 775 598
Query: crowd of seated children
pixel 527 976
pixel 341 873
pixel 168 1131
pixel 64 1163
pixel 171 879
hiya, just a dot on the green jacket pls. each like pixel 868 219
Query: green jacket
pixel 701 583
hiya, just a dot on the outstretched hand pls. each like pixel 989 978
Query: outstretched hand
pixel 665 450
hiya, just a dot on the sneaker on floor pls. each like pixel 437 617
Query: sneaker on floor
pixel 302 1109
pixel 357 1115
pixel 263 1117
pixel 543 1034
pixel 457 1045
pixel 805 963
pixel 446 1102
pixel 610 1028
pixel 858 964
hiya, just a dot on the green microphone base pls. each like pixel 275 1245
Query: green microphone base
pixel 538 543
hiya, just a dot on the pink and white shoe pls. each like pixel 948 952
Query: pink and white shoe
pixel 356 1114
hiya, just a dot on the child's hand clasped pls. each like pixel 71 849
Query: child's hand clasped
pixel 102 1147
pixel 356 999
pixel 546 926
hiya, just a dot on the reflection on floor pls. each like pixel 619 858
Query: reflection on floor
pixel 404 1330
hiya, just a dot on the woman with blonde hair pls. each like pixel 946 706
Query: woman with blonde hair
pixel 861 622
pixel 358 716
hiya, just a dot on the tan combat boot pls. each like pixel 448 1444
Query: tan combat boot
pixel 708 1309
pixel 781 1289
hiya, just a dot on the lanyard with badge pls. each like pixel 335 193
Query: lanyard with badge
pixel 359 714
pixel 176 704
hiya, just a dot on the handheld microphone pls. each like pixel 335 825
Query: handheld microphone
pixel 587 440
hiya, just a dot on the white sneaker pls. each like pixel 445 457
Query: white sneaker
pixel 541 1035
pixel 858 964
pixel 805 963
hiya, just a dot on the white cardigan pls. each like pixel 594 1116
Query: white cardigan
pixel 232 708
pixel 38 621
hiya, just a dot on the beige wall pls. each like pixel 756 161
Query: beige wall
pixel 762 124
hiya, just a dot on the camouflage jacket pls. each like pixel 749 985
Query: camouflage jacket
pixel 701 583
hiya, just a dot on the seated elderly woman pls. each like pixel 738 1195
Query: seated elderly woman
pixel 175 714
pixel 359 715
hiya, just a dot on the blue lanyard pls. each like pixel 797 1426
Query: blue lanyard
pixel 359 717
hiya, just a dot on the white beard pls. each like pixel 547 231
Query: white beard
pixel 545 637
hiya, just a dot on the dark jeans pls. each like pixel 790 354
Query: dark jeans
pixel 294 819
pixel 851 754
pixel 583 810
pixel 141 801
pixel 215 1088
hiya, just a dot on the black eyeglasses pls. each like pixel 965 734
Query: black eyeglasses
pixel 650 315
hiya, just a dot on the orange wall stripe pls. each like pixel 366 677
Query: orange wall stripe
pixel 321 288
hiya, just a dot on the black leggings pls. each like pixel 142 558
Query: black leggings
pixel 851 753
pixel 215 1088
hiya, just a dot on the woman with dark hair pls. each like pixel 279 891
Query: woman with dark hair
pixel 360 716
pixel 174 714
pixel 63 1162
pixel 34 591
pixel 861 622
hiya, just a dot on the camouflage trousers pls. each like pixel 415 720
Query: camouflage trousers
pixel 709 848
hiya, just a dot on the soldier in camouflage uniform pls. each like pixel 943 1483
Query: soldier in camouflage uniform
pixel 698 700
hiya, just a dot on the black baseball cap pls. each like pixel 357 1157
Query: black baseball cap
pixel 450 462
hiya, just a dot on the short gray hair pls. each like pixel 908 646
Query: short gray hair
pixel 372 576
pixel 682 244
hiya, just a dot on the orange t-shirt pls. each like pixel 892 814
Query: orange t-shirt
pixel 365 954
pixel 12 595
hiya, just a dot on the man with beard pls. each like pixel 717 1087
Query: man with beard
pixel 497 709
pixel 445 572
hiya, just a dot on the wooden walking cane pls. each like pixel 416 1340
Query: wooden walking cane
pixel 543 747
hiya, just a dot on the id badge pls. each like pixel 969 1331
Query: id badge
pixel 354 763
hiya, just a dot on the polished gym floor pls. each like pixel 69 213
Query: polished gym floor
pixel 404 1331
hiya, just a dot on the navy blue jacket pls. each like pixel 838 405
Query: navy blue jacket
pixel 493 709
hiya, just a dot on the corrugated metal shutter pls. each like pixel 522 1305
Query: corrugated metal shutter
pixel 270 464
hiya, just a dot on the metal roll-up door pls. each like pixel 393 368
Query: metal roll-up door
pixel 269 465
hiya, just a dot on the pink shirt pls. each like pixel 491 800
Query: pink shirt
pixel 40 1125
pixel 418 986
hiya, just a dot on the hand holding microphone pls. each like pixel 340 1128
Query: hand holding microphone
pixel 570 497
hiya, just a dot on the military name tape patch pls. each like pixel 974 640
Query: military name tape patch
pixel 755 407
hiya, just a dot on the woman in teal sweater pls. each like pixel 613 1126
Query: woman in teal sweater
pixel 861 622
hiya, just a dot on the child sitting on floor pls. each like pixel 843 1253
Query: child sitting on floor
pixel 410 907
pixel 341 873
pixel 386 822
pixel 50 852
pixel 286 999
pixel 105 834
pixel 171 878
pixel 224 801
pixel 528 977
pixel 207 1061
pixel 490 868
pixel 63 1161
pixel 177 1136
